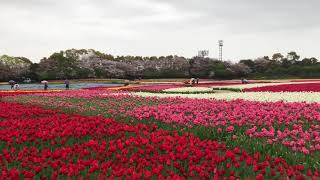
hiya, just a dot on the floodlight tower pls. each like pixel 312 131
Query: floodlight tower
pixel 220 49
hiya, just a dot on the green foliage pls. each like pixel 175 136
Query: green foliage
pixel 69 64
pixel 13 67
pixel 247 62
pixel 83 73
pixel 99 72
pixel 223 74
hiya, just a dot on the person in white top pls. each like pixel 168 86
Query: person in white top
pixel 192 81
pixel 16 86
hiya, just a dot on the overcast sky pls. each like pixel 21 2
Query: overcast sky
pixel 249 28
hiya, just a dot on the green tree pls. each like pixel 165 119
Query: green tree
pixel 277 57
pixel 248 62
pixel 293 57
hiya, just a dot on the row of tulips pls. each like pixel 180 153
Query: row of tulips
pixel 61 145
pixel 189 89
pixel 153 88
pixel 311 97
pixel 252 87
pixel 305 87
pixel 87 94
pixel 25 92
pixel 218 86
pixel 251 96
pixel 257 85
pixel 295 125
pixel 179 88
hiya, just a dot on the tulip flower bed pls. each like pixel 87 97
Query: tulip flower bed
pixel 310 97
pixel 154 88
pixel 305 87
pixel 210 87
pixel 245 87
pixel 108 103
pixel 272 130
pixel 295 125
pixel 306 80
pixel 189 88
pixel 24 92
pixel 43 144
pixel 288 130
pixel 101 87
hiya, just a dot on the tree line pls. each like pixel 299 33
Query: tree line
pixel 78 64
pixel 283 66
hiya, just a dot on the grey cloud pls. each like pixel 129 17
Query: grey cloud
pixel 255 15
pixel 159 27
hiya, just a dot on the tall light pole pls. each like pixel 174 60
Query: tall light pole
pixel 220 49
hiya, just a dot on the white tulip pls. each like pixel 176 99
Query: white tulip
pixel 251 96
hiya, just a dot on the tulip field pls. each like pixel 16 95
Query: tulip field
pixel 162 132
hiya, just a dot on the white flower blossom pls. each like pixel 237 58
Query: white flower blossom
pixel 189 89
pixel 251 96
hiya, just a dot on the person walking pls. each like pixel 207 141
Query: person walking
pixel 67 83
pixel 45 86
pixel 244 81
pixel 12 82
